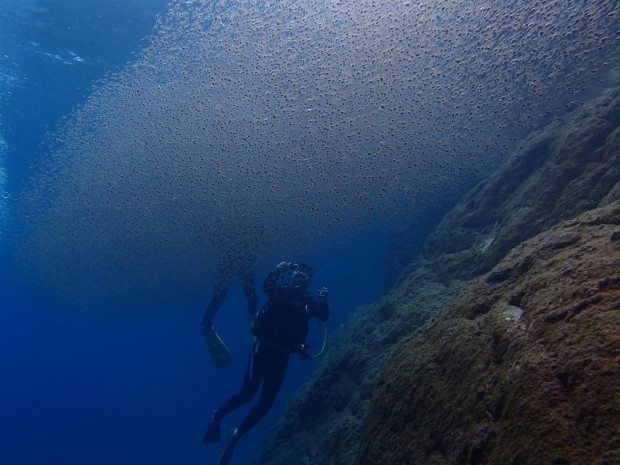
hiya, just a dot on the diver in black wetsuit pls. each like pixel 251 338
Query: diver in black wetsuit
pixel 230 265
pixel 220 289
pixel 236 251
pixel 280 330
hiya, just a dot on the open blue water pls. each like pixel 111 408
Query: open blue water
pixel 78 388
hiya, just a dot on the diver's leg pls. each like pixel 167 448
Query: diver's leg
pixel 231 441
pixel 220 289
pixel 248 284
pixel 272 380
pixel 254 372
pixel 251 381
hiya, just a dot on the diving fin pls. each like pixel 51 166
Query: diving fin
pixel 228 448
pixel 218 350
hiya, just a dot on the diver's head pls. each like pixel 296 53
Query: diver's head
pixel 296 283
pixel 300 280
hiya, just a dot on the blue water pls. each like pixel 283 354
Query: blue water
pixel 81 388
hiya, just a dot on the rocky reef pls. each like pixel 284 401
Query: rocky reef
pixel 522 367
pixel 500 344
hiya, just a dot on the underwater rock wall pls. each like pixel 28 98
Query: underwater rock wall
pixel 520 368
pixel 467 361
pixel 554 175
pixel 568 167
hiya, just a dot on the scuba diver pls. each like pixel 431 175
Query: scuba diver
pixel 280 330
pixel 236 252
pixel 218 350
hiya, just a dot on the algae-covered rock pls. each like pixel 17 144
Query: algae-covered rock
pixel 522 367
pixel 571 166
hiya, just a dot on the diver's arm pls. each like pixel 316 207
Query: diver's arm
pixel 320 309
pixel 322 313
pixel 270 285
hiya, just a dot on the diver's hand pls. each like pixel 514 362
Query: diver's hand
pixel 302 351
pixel 323 295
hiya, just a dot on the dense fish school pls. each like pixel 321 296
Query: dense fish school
pixel 259 129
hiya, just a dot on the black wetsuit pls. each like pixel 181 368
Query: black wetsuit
pixel 280 329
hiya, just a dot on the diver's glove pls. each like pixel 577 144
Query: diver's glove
pixel 302 351
pixel 323 295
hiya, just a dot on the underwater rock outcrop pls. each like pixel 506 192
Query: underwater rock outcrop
pixel 522 367
pixel 358 408
pixel 568 167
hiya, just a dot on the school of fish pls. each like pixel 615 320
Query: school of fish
pixel 252 131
